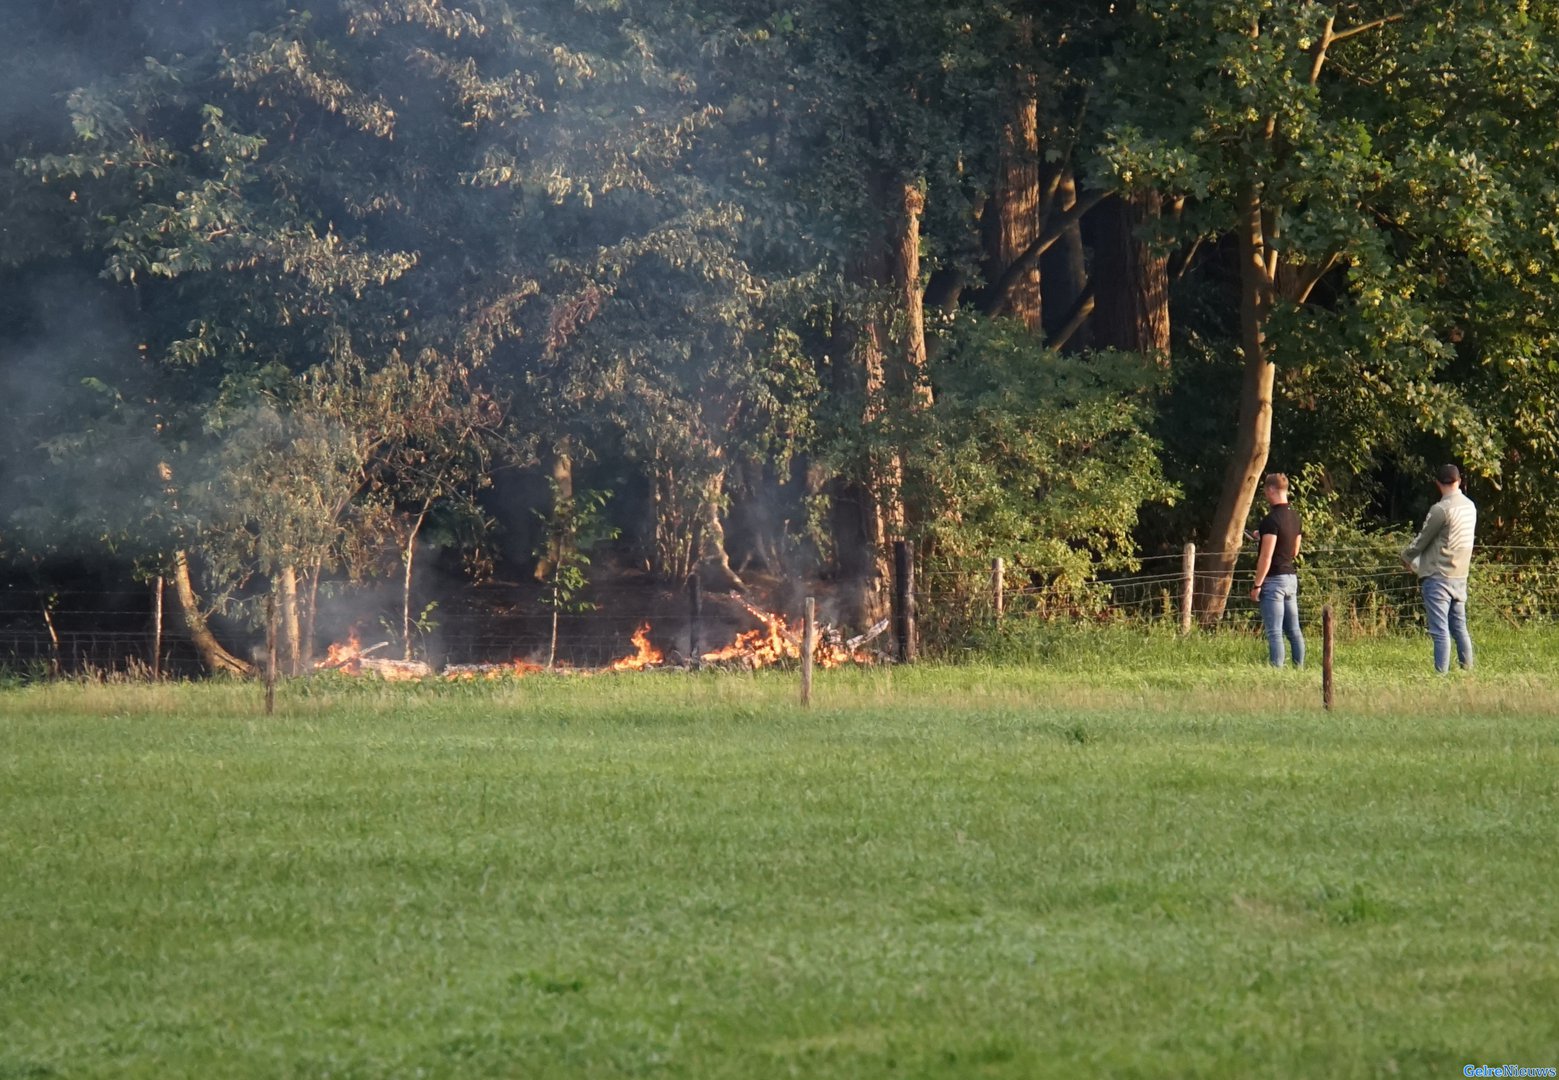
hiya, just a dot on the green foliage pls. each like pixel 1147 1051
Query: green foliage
pixel 575 526
pixel 1038 457
pixel 423 623
pixel 1396 177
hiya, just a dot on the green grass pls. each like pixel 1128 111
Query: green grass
pixel 1128 857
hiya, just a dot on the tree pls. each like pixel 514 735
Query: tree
pixel 1289 133
pixel 291 269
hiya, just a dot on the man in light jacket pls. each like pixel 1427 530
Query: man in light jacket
pixel 1440 555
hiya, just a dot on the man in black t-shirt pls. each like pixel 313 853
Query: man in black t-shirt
pixel 1277 579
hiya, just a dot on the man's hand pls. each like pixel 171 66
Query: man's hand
pixel 1255 592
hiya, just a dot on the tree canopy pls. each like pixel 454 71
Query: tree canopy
pixel 786 280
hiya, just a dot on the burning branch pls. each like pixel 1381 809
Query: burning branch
pixel 645 655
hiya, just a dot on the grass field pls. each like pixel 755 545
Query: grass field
pixel 1127 857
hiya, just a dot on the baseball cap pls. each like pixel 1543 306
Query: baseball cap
pixel 1449 474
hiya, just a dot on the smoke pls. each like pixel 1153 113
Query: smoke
pixel 80 453
pixel 565 181
pixel 182 26
pixel 57 47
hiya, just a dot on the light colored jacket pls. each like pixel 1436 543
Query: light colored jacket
pixel 1443 547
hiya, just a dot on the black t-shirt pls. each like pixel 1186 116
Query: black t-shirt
pixel 1283 523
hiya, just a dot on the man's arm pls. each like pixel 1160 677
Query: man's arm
pixel 1433 524
pixel 1269 543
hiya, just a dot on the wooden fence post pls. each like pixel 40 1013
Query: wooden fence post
pixel 157 629
pixel 808 650
pixel 998 598
pixel 1327 635
pixel 1187 589
pixel 695 619
pixel 904 600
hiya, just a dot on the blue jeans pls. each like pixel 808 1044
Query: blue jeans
pixel 1445 610
pixel 1280 618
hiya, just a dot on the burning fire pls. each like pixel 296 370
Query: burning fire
pixel 345 656
pixel 832 654
pixel 769 644
pixel 644 654
pixel 775 641
pixel 351 658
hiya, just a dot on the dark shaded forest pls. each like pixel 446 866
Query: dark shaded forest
pixel 302 300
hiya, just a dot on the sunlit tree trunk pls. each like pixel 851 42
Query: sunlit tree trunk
pixel 561 470
pixel 211 652
pixel 910 385
pixel 915 385
pixel 715 563
pixel 882 510
pixel 1012 212
pixel 407 557
pixel 310 606
pixel 292 649
pixel 856 516
pixel 1253 438
pixel 1264 276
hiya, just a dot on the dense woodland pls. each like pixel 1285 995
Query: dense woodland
pixel 311 293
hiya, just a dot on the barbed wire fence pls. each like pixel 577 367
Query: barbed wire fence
pixel 1370 592
pixel 103 632
pixel 82 633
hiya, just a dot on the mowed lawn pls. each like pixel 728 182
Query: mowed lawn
pixel 1128 857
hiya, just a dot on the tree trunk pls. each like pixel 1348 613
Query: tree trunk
pixel 1012 212
pixel 914 385
pixel 859 540
pixel 292 649
pixel 557 605
pixel 1064 271
pixel 715 563
pixel 911 383
pixel 407 556
pixel 310 609
pixel 856 516
pixel 885 481
pixel 660 547
pixel 54 640
pixel 944 289
pixel 212 654
pixel 561 469
pixel 763 493
pixel 1131 279
pixel 1253 437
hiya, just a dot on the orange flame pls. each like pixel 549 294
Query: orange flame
pixel 512 668
pixel 831 655
pixel 351 658
pixel 644 655
pixel 776 640
pixel 769 644
pixel 344 656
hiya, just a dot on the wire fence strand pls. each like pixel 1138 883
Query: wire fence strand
pixel 82 631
